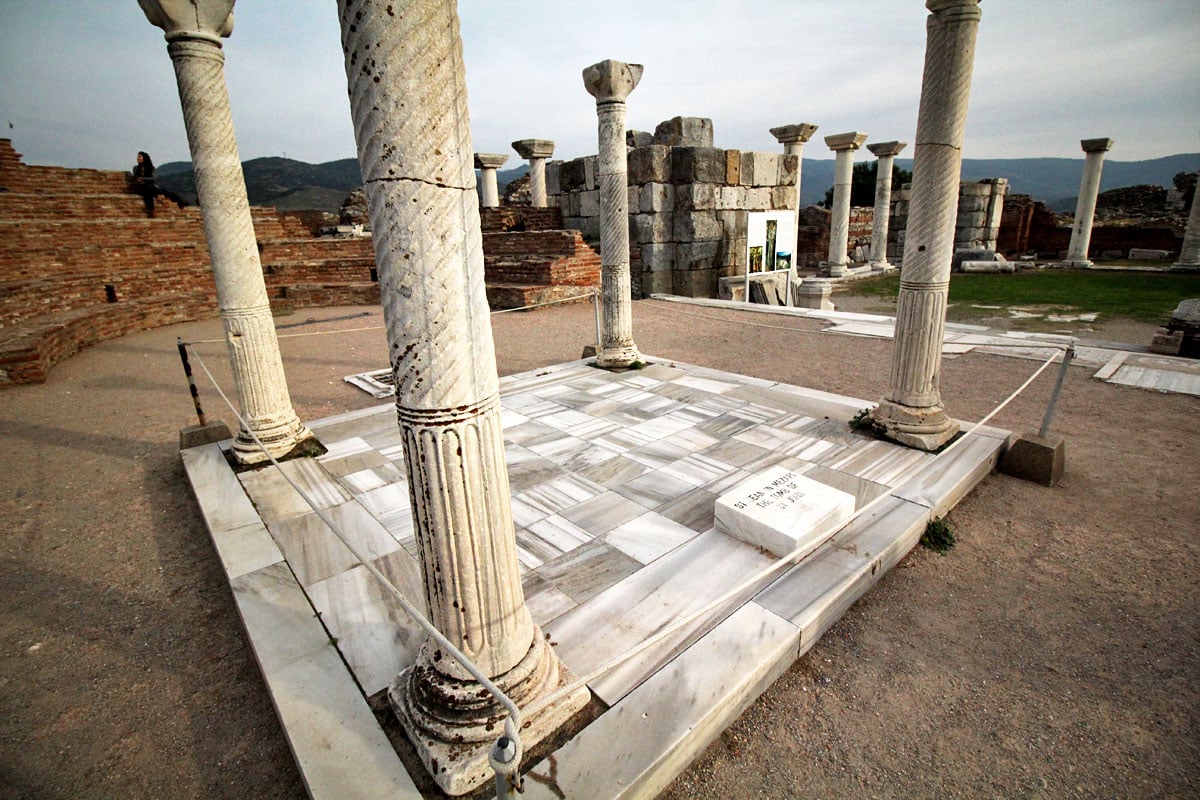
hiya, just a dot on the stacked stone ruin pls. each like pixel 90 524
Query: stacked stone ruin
pixel 688 204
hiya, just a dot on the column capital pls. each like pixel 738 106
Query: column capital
pixel 882 149
pixel 611 81
pixel 791 134
pixel 490 160
pixel 534 148
pixel 1096 145
pixel 942 5
pixel 210 20
pixel 845 141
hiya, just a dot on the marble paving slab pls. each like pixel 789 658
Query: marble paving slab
pixel 615 477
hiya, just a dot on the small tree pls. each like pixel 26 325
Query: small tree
pixel 862 183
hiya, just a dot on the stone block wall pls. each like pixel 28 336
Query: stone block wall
pixel 1013 238
pixel 687 205
pixel 980 212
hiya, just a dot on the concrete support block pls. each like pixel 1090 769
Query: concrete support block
pixel 571 176
pixel 789 169
pixel 650 165
pixel 697 165
pixel 656 197
pixel 783 197
pixel 695 283
pixel 685 132
pixel 759 169
pixel 589 203
pixel 1033 458
pixel 553 171
pixel 651 228
pixel 695 197
pixel 658 257
pixel 734 223
pixel 733 167
pixel 658 283
pixel 695 226
pixel 758 199
pixel 730 197
pixel 696 256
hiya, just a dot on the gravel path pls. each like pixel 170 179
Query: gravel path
pixel 1054 652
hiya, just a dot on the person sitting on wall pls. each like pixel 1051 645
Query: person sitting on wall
pixel 144 182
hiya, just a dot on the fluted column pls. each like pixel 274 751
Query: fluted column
pixel 793 137
pixel 536 151
pixel 193 32
pixel 886 152
pixel 911 412
pixel 487 164
pixel 1085 206
pixel 610 82
pixel 1189 253
pixel 408 101
pixel 843 145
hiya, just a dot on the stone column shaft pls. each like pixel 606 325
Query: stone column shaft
pixel 911 412
pixel 843 145
pixel 1085 207
pixel 886 152
pixel 408 101
pixel 487 164
pixel 536 151
pixel 610 82
pixel 193 43
pixel 793 137
pixel 1189 252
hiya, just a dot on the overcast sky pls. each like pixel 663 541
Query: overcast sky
pixel 89 82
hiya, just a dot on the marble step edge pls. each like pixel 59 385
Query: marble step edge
pixel 337 744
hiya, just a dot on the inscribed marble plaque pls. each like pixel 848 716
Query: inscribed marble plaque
pixel 781 510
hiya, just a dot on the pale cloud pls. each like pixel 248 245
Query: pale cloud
pixel 88 83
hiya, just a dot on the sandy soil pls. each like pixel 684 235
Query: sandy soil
pixel 1054 652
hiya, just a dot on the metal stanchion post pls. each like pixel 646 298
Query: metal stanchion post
pixel 187 370
pixel 1058 384
pixel 596 308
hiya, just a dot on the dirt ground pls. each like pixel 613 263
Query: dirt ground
pixel 1055 652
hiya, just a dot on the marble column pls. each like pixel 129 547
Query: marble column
pixel 886 152
pixel 793 137
pixel 843 145
pixel 536 151
pixel 610 82
pixel 1189 253
pixel 409 108
pixel 1085 207
pixel 193 32
pixel 911 413
pixel 487 164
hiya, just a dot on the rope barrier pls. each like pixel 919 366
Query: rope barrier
pixel 365 559
pixel 796 556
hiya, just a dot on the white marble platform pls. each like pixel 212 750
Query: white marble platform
pixel 614 479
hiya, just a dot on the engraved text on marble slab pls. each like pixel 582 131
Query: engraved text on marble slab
pixel 780 510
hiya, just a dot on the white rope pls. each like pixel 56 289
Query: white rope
pixel 365 560
pixel 796 556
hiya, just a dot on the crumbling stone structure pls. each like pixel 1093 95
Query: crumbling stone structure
pixel 978 220
pixel 688 204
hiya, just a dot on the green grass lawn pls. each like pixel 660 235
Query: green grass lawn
pixel 1147 297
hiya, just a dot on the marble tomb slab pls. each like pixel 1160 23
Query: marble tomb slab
pixel 780 510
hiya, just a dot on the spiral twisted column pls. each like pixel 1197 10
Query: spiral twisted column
pixel 1085 206
pixel 886 152
pixel 793 137
pixel 536 151
pixel 843 146
pixel 1189 253
pixel 487 164
pixel 610 82
pixel 911 412
pixel 408 100
pixel 193 33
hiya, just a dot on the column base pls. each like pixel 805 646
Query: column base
pixel 454 723
pixel 1181 266
pixel 926 429
pixel 882 267
pixel 1074 264
pixel 291 441
pixel 838 270
pixel 625 357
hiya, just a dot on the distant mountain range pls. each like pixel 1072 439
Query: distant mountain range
pixel 289 184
